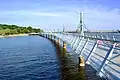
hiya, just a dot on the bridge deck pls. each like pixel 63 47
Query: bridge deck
pixel 103 55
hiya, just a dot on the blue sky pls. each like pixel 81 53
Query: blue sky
pixel 54 14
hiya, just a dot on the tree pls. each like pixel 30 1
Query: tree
pixel 30 28
pixel 14 29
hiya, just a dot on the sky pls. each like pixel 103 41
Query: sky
pixel 56 14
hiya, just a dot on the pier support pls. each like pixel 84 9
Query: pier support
pixel 64 49
pixel 48 36
pixel 54 38
pixel 51 36
pixel 64 46
pixel 58 41
pixel 81 61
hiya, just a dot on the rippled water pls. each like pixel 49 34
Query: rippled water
pixel 37 58
pixel 28 58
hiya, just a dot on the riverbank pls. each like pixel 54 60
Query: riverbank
pixel 1 36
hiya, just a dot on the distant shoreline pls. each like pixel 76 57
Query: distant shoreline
pixel 5 36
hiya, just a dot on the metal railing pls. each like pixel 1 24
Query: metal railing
pixel 102 53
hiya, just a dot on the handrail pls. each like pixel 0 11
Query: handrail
pixel 97 38
pixel 105 60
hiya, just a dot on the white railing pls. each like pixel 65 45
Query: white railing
pixel 101 53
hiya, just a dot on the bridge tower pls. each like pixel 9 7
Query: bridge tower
pixel 63 29
pixel 80 26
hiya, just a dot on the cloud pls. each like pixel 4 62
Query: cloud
pixel 98 17
pixel 103 18
pixel 29 13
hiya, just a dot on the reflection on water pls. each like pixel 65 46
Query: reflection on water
pixel 69 66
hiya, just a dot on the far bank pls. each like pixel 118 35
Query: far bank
pixel 3 36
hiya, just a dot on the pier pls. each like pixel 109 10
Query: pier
pixel 98 52
pixel 101 54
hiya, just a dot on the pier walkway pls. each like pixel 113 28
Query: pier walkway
pixel 98 51
pixel 101 55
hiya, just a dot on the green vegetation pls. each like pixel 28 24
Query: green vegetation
pixel 14 29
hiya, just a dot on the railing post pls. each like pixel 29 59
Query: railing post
pixel 73 41
pixel 76 41
pixel 102 37
pixel 113 37
pixel 91 52
pixel 84 46
pixel 77 44
pixel 107 37
pixel 67 39
pixel 105 61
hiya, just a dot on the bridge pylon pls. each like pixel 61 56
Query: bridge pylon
pixel 63 29
pixel 80 26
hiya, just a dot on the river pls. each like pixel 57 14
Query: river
pixel 35 58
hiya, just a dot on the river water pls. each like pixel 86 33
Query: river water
pixel 35 58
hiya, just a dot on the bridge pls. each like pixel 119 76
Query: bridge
pixel 97 49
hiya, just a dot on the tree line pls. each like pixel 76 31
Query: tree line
pixel 14 29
